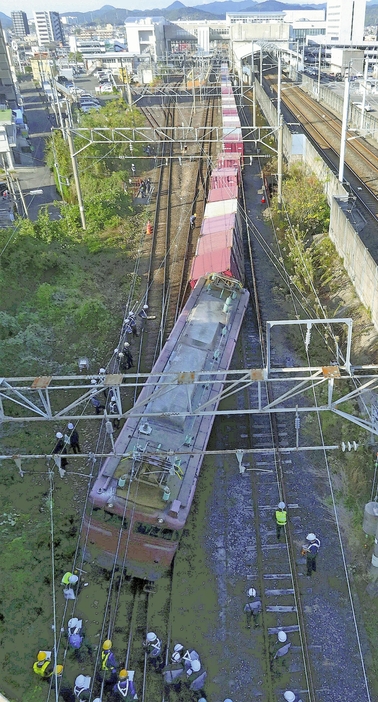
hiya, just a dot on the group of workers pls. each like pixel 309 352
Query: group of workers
pixel 310 549
pixel 70 439
pixel 184 669
pixel 253 608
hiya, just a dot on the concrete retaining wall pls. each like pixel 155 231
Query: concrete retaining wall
pixel 358 262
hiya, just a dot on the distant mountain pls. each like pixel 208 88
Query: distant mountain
pixel 6 21
pixel 112 15
pixel 220 7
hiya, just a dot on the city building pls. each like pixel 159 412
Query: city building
pixel 8 95
pixel 20 23
pixel 48 28
pixel 146 36
pixel 345 21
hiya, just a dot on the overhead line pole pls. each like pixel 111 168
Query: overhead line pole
pixel 76 176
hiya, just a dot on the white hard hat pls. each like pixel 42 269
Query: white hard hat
pixel 83 682
pixel 176 657
pixel 227 700
pixel 132 314
pixel 251 592
pixel 121 355
pixel 196 665
pixel 151 636
pixel 73 622
pixel 281 505
pixel 311 537
pixel 126 344
pixel 70 425
pixel 73 579
pixel 289 696
pixel 93 381
pixel 102 370
pixel 115 350
pixel 282 636
pixel 145 307
pixel 178 647
pixel 59 435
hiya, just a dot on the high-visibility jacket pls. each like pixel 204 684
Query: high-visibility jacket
pixel 66 578
pixel 41 669
pixel 281 517
pixel 107 660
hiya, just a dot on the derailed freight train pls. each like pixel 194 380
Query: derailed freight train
pixel 140 502
pixel 141 499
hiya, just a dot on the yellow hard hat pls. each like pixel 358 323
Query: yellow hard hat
pixel 41 656
pixel 107 645
pixel 123 674
pixel 58 669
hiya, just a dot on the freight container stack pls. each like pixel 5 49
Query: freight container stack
pixel 220 246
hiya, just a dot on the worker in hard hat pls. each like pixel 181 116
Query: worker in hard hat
pixel 153 648
pixel 253 608
pixel 108 662
pixel 196 675
pixel 192 220
pixel 279 649
pixel 82 689
pixel 310 550
pixel 56 677
pixel 43 665
pixel 124 687
pixel 60 448
pixel 280 517
pixel 68 581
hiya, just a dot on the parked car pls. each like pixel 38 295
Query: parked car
pixel 106 88
pixel 368 107
pixel 87 107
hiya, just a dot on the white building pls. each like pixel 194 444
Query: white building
pixel 48 28
pixel 146 36
pixel 345 21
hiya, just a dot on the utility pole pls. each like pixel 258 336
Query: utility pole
pixel 280 160
pixel 76 176
pixel 319 71
pixel 344 127
pixel 279 87
pixel 364 85
pixel 194 92
pixel 261 65
pixel 253 87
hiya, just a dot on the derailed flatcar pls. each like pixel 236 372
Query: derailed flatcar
pixel 141 499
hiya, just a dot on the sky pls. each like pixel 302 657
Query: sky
pixel 71 6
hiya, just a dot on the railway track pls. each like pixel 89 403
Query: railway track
pixel 324 131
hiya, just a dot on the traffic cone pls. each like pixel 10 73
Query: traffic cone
pixel 149 228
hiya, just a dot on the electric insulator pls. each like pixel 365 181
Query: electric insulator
pixel 297 422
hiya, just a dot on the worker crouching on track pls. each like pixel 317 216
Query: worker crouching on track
pixel 82 689
pixel 43 666
pixel 196 675
pixel 253 608
pixel 280 648
pixel 124 689
pixel 153 648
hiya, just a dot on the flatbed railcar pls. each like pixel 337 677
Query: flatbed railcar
pixel 141 499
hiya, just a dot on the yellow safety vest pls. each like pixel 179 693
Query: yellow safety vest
pixel 281 517
pixel 41 669
pixel 66 578
pixel 104 660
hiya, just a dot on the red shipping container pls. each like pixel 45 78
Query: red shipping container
pixel 230 192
